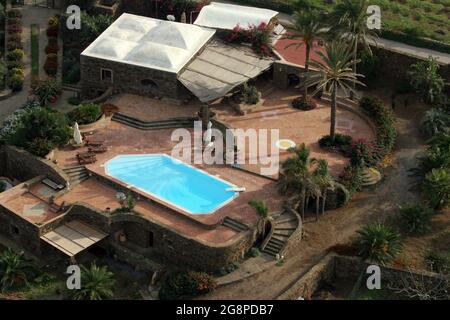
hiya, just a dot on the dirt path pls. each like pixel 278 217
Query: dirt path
pixel 339 226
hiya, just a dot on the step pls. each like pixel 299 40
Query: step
pixel 270 252
pixel 274 240
pixel 274 247
pixel 281 238
pixel 286 225
pixel 74 169
pixel 78 181
pixel 291 229
pixel 285 219
pixel 77 173
pixel 283 233
pixel 153 123
pixel 155 127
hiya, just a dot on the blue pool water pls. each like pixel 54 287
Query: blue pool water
pixel 172 181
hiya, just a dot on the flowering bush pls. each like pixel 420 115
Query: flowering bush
pixel 257 36
pixel 51 65
pixel 15 55
pixel 51 48
pixel 182 285
pixel 300 103
pixel 15 82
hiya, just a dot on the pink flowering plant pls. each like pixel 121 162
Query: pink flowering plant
pixel 257 36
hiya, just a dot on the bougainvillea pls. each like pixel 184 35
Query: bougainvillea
pixel 257 36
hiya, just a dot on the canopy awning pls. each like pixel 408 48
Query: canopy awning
pixel 220 68
pixel 73 237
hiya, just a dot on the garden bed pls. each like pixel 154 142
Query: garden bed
pixel 35 52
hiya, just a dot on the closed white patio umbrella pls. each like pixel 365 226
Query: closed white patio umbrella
pixel 77 134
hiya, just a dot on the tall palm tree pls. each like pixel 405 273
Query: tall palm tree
pixel 96 283
pixel 325 182
pixel 334 73
pixel 308 28
pixel 349 21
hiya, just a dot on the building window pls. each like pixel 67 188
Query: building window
pixel 106 75
pixel 14 230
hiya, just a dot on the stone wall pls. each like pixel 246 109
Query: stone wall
pixel 19 230
pixel 393 65
pixel 22 165
pixel 128 79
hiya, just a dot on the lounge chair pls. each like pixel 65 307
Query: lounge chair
pixel 86 158
pixel 94 142
pixel 97 149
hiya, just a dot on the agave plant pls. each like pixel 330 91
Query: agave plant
pixel 96 284
pixel 435 121
pixel 15 270
pixel 378 243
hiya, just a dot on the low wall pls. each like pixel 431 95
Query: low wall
pixel 292 244
pixel 101 123
pixel 22 165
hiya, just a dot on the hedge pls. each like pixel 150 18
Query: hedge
pixel 416 41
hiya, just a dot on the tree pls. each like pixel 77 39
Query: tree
pixel 425 79
pixel 15 270
pixel 308 28
pixel 435 121
pixel 349 20
pixel 96 284
pixel 304 177
pixel 325 182
pixel 378 243
pixel 334 73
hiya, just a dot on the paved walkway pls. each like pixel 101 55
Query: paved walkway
pixel 30 15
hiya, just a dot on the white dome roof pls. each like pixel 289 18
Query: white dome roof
pixel 149 42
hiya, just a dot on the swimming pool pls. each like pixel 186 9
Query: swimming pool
pixel 172 182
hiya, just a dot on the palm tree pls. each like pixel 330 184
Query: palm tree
pixel 96 283
pixel 300 178
pixel 334 72
pixel 349 21
pixel 325 182
pixel 15 270
pixel 378 243
pixel 308 28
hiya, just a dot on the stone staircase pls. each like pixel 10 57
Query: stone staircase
pixel 284 225
pixel 77 174
pixel 234 224
pixel 183 122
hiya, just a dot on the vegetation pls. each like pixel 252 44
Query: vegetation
pixel 425 79
pixel 257 36
pixel 439 261
pixel 308 27
pixel 47 91
pixel 96 284
pixel 335 72
pixel 85 114
pixel 185 285
pixel 436 187
pixel 304 178
pixel 15 270
pixel 250 94
pixel 35 50
pixel 39 130
pixel 260 207
pixel 435 121
pixel 416 218
pixel 341 142
pixel 378 243
pixel 126 204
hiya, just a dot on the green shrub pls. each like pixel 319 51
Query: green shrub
pixel 436 187
pixel 185 285
pixel 14 64
pixel 39 124
pixel 15 55
pixel 351 178
pixel 250 94
pixel 305 105
pixel 47 91
pixel 40 146
pixel 85 113
pixel 254 252
pixel 229 268
pixel 385 122
pixel 342 142
pixel 260 207
pixel 416 218
pixel 435 121
pixel 439 261
pixel 378 243
pixel 15 82
pixel 14 13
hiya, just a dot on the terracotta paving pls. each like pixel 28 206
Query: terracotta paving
pixel 152 109
pixel 299 126
pixel 30 203
pixel 291 52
